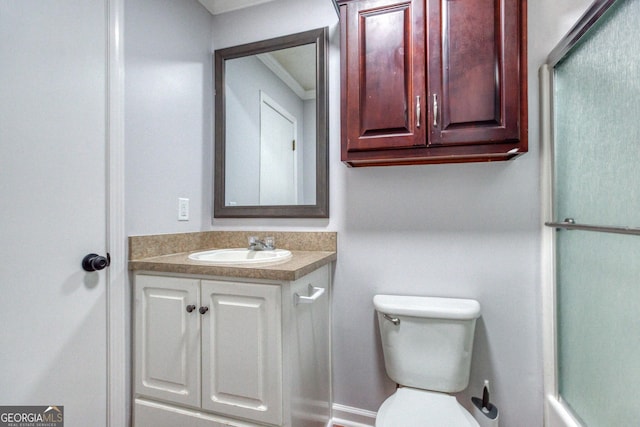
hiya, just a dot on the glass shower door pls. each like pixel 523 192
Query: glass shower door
pixel 597 202
pixel 598 294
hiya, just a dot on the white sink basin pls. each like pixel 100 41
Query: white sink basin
pixel 241 256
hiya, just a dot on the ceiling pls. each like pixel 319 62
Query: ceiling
pixel 217 7
pixel 300 62
pixel 296 67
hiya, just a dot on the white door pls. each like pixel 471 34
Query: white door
pixel 278 179
pixel 242 350
pixel 53 104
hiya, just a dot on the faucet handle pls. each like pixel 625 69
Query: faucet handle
pixel 256 244
pixel 270 242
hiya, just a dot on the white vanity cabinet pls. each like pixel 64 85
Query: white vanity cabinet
pixel 213 351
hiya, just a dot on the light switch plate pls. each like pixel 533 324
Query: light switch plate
pixel 183 209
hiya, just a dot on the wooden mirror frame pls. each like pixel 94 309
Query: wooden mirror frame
pixel 318 37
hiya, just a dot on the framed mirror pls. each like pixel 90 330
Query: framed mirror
pixel 271 128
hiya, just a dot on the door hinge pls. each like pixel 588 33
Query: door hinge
pixel 293 145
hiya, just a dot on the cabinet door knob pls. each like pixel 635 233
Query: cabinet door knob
pixel 190 308
pixel 203 310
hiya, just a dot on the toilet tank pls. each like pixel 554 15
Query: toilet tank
pixel 427 341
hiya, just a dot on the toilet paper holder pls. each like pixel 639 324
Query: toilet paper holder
pixel 485 412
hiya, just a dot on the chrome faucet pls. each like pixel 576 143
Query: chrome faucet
pixel 256 244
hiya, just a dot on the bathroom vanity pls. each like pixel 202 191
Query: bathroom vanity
pixel 231 345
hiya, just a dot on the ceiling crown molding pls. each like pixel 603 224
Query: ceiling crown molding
pixel 217 7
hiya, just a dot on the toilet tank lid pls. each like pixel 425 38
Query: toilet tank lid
pixel 433 307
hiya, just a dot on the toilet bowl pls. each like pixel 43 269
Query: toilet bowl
pixel 410 407
pixel 427 344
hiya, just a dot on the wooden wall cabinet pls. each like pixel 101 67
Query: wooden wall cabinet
pixel 433 81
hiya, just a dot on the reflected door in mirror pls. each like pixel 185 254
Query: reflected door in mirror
pixel 278 171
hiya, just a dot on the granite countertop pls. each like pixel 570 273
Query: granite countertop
pixel 170 254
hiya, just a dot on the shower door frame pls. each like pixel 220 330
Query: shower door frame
pixel 556 412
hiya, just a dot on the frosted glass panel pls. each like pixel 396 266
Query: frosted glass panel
pixel 597 182
pixel 597 123
pixel 599 326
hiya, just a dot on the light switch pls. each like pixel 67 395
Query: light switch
pixel 183 209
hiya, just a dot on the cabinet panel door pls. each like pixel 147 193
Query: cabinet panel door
pixel 167 341
pixel 474 71
pixel 242 350
pixel 383 75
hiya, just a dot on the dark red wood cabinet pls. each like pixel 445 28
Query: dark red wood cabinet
pixel 432 81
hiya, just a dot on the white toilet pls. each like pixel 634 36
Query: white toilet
pixel 427 344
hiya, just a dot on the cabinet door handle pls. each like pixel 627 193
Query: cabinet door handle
pixel 203 310
pixel 190 308
pixel 418 111
pixel 435 110
pixel 314 292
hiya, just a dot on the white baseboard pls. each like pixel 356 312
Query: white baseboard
pixel 348 416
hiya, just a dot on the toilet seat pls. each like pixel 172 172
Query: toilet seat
pixel 410 407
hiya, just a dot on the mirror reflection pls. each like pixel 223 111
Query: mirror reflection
pixel 271 128
pixel 270 102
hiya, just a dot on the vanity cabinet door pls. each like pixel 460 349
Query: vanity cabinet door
pixel 383 79
pixel 167 339
pixel 242 350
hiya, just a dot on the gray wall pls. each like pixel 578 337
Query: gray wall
pixel 468 230
pixel 169 114
pixel 307 192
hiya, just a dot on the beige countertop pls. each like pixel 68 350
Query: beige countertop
pixel 170 254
